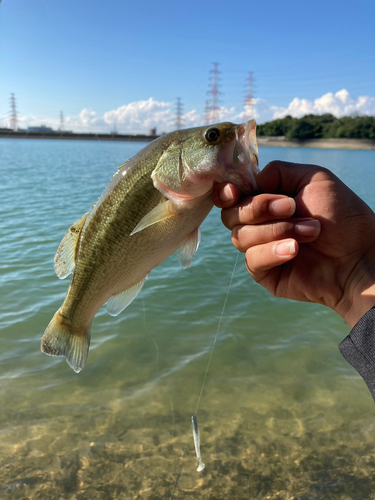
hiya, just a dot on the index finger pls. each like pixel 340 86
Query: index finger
pixel 225 194
pixel 258 209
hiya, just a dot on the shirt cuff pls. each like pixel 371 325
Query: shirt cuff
pixel 358 348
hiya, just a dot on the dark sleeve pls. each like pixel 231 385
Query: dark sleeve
pixel 358 348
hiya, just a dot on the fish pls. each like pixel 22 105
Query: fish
pixel 197 444
pixel 153 206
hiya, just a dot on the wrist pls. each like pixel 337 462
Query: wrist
pixel 361 302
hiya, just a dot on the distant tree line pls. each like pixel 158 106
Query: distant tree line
pixel 320 126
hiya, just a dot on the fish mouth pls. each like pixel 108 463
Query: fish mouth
pixel 246 136
pixel 245 154
pixel 241 161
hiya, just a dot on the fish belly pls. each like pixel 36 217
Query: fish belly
pixel 123 262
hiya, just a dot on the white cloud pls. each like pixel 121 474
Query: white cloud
pixel 138 117
pixel 261 111
pixel 86 117
pixel 339 104
pixel 86 121
pixel 297 108
pixel 192 119
pixel 222 114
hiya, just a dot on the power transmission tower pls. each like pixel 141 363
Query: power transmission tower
pixel 179 121
pixel 114 127
pixel 249 97
pixel 212 103
pixel 61 121
pixel 13 113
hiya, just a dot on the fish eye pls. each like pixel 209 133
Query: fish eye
pixel 212 134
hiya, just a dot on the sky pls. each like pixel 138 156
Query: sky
pixel 121 65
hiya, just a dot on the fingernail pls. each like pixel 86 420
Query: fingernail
pixel 285 248
pixel 226 194
pixel 284 206
pixel 308 228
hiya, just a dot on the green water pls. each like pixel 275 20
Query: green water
pixel 282 415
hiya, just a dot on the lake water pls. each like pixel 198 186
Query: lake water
pixel 282 415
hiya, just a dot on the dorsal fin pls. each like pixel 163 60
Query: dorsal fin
pixel 66 254
pixel 118 170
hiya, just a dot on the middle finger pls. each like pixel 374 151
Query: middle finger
pixel 302 230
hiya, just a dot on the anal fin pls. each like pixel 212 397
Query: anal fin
pixel 161 212
pixel 188 248
pixel 118 302
pixel 66 254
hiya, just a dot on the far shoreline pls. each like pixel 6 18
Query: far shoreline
pixel 342 143
pixel 268 141
pixel 66 136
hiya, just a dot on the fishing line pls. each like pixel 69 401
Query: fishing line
pixel 206 373
pixel 217 334
pixel 151 337
pixel 157 363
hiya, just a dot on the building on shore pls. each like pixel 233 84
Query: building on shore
pixel 42 128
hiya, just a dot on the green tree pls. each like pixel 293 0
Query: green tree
pixel 320 126
pixel 301 129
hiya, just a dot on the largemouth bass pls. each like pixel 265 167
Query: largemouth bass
pixel 153 205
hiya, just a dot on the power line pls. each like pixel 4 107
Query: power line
pixel 179 120
pixel 13 113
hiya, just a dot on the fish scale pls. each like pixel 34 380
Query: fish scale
pixel 152 206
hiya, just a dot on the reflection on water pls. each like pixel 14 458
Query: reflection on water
pixel 282 415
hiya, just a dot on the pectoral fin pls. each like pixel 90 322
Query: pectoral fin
pixel 66 254
pixel 117 303
pixel 161 212
pixel 188 248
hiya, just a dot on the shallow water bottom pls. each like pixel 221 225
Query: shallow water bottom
pixel 258 441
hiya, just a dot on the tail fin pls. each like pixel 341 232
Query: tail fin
pixel 58 340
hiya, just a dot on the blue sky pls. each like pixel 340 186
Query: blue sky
pixel 126 62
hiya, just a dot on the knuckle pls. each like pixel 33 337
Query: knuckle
pixel 249 267
pixel 279 230
pixel 237 240
pixel 253 210
pixel 252 263
pixel 227 217
pixel 273 164
pixel 258 207
pixel 276 231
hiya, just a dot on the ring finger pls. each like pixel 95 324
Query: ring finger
pixel 302 230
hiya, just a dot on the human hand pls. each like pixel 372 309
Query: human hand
pixel 312 239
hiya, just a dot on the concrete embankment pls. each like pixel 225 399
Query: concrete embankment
pixel 280 142
pixel 77 137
